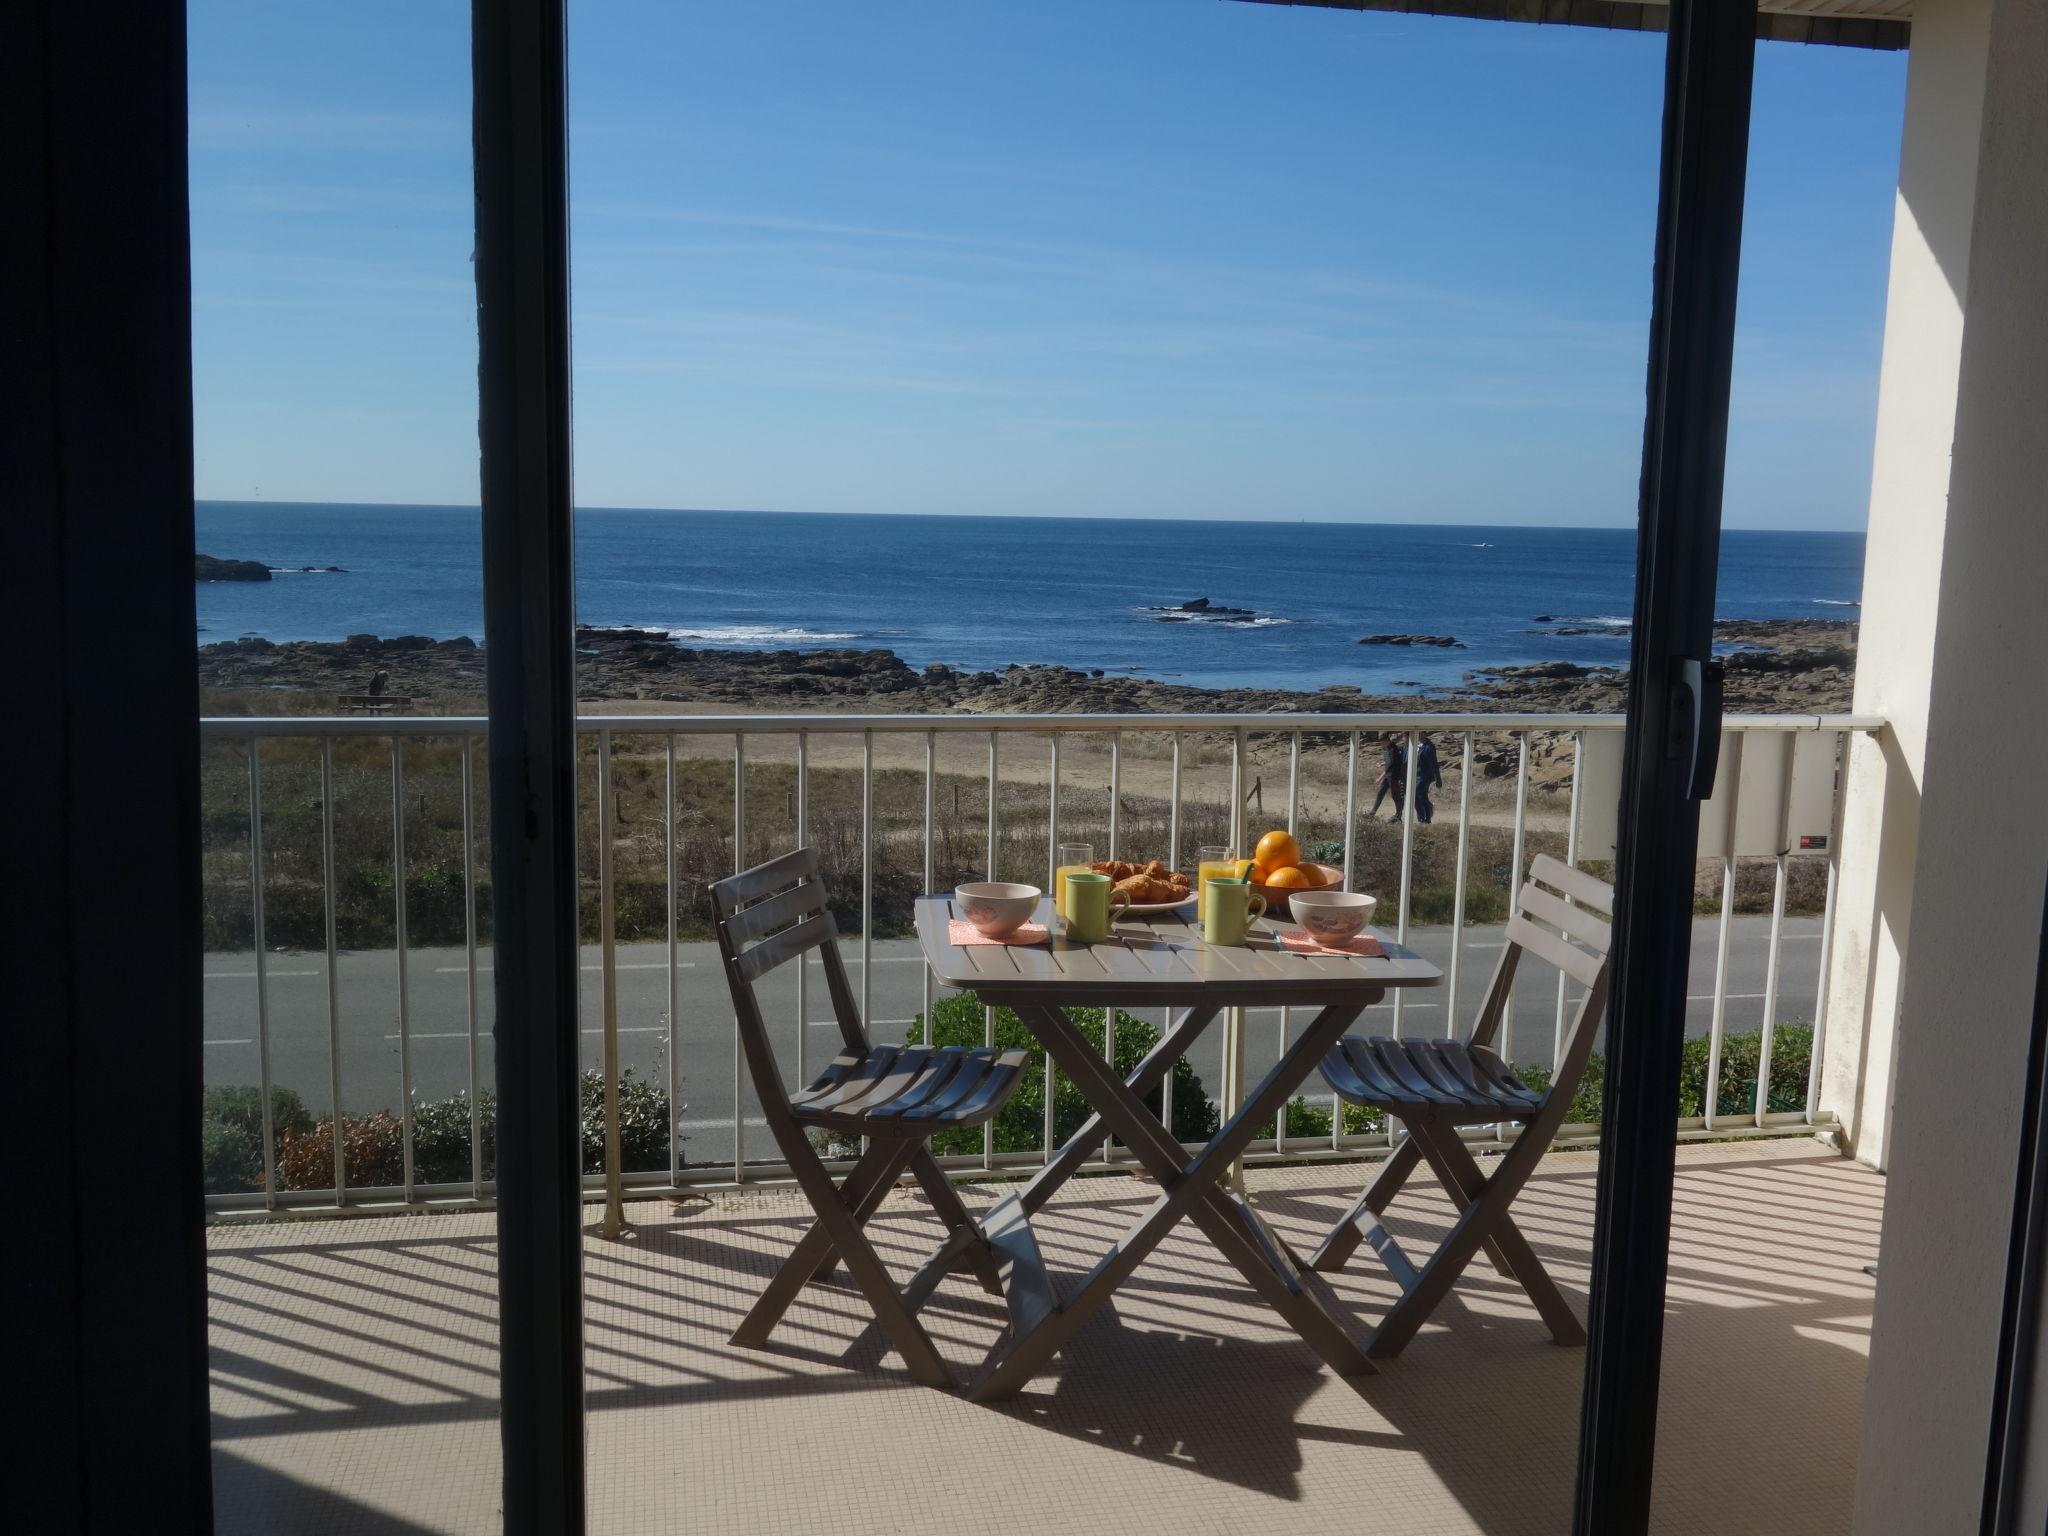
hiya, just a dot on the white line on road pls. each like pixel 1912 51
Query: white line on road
pixel 251 975
pixel 227 1042
pixel 623 965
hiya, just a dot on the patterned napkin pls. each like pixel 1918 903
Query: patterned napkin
pixel 961 932
pixel 1358 944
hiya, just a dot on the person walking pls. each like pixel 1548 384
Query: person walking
pixel 1428 776
pixel 1393 779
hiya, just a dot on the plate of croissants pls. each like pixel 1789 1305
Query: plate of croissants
pixel 1151 886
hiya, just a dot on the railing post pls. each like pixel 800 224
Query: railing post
pixel 405 1123
pixel 262 974
pixel 614 1223
pixel 675 1074
pixel 333 962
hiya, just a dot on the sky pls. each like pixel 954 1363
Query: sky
pixel 1145 258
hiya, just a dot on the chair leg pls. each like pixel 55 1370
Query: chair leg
pixel 812 1258
pixel 1484 1217
pixel 1344 1238
pixel 945 1200
pixel 863 1199
pixel 904 1331
pixel 1512 1255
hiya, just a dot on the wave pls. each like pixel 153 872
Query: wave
pixel 760 634
pixel 1838 602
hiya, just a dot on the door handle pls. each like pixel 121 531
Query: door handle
pixel 1693 732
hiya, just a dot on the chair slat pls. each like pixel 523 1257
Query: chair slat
pixel 954 1087
pixel 939 1071
pixel 1575 963
pixel 1394 1061
pixel 1441 1075
pixel 777 912
pixel 786 945
pixel 1584 926
pixel 1380 1088
pixel 990 1096
pixel 734 891
pixel 1502 1082
pixel 1575 883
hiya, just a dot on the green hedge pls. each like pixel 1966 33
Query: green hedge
pixel 373 1146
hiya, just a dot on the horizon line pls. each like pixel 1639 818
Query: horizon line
pixel 1078 517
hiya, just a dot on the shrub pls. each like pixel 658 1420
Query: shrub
pixel 241 1106
pixel 1791 1053
pixel 372 1150
pixel 440 1139
pixel 231 1157
pixel 643 1123
pixel 1020 1127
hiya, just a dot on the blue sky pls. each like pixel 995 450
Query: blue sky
pixel 1094 257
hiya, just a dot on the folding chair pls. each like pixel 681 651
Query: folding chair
pixel 1435 1086
pixel 893 1097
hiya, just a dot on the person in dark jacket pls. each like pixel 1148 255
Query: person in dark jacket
pixel 1393 779
pixel 1428 776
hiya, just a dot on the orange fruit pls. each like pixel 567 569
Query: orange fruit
pixel 1288 878
pixel 1277 850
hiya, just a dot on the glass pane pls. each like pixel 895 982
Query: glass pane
pixel 351 1259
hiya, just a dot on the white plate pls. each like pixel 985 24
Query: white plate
pixel 1154 908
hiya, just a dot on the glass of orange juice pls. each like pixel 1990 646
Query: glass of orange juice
pixel 1072 859
pixel 1214 863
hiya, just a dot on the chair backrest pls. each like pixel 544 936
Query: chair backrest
pixel 768 916
pixel 1575 939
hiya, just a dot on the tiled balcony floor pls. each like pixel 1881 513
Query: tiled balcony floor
pixel 355 1389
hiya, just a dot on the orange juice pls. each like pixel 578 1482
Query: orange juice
pixel 1059 885
pixel 1214 869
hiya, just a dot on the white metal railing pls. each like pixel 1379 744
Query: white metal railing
pixel 1767 800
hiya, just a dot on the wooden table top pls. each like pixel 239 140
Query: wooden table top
pixel 1161 960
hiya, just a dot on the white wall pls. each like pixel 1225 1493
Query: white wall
pixel 1909 489
pixel 1981 861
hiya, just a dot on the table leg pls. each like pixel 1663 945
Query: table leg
pixel 1188 1188
pixel 1149 1074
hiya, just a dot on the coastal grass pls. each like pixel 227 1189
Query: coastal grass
pixel 874 878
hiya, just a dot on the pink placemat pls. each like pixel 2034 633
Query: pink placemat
pixel 1358 944
pixel 961 932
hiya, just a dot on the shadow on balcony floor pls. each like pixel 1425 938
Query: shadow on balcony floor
pixel 355 1387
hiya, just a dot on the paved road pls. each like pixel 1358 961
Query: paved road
pixel 367 994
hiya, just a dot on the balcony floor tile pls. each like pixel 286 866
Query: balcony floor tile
pixel 355 1386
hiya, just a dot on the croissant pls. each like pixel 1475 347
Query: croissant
pixel 1143 888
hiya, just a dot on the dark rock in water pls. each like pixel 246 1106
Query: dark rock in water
pixel 361 643
pixel 409 643
pixel 1200 608
pixel 1537 669
pixel 209 568
pixel 1095 671
pixel 1440 640
pixel 459 643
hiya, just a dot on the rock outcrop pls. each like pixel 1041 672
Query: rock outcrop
pixel 212 568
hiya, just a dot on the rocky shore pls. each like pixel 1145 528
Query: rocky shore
pixel 1774 666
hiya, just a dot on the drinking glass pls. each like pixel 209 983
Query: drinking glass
pixel 1213 863
pixel 1074 858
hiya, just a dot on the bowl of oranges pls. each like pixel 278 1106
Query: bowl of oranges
pixel 1277 867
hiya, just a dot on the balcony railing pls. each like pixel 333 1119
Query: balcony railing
pixel 1157 785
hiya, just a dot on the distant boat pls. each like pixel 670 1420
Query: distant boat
pixel 1482 546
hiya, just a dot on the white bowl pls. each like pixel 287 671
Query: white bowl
pixel 997 908
pixel 1332 916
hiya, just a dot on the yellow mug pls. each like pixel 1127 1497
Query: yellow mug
pixel 1228 907
pixel 1090 905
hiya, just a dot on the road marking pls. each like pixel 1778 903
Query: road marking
pixel 227 1042
pixel 624 965
pixel 250 975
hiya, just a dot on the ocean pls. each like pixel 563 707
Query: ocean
pixel 983 592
